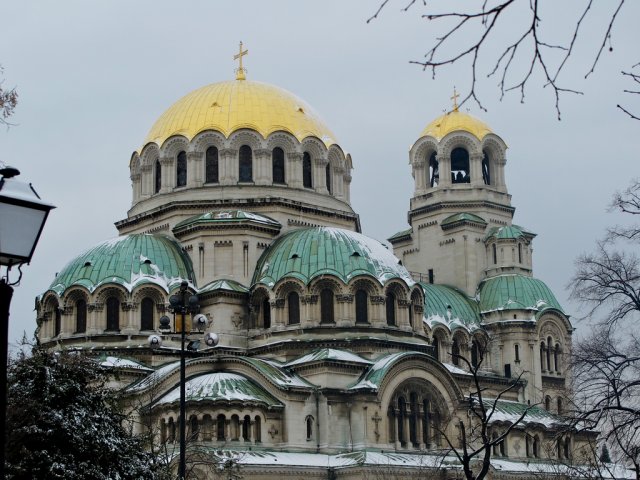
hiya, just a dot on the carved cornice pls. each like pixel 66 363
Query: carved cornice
pixel 311 299
pixel 344 298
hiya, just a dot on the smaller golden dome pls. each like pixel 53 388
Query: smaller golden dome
pixel 454 121
pixel 232 105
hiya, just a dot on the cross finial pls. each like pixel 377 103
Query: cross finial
pixel 454 98
pixel 240 71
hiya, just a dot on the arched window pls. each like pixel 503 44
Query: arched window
pixel 519 253
pixel 113 314
pixel 560 409
pixel 326 306
pixel 146 314
pixel 309 422
pixel 547 403
pixel 556 358
pixel 307 175
pixel 495 254
pixel 426 423
pixel 460 166
pixel 455 352
pixel 548 352
pixel 390 303
pixel 258 429
pixel 435 343
pixel 158 177
pixel 362 314
pixel 181 170
pixel 486 169
pixel 277 161
pixel 163 431
pixel 327 171
pixel 476 354
pixel 235 428
pixel 172 430
pixel 57 321
pixel 207 428
pixel 194 427
pixel 434 171
pixel 536 446
pixel 266 313
pixel 543 356
pixel 293 302
pixel 246 427
pixel 81 316
pixel 413 418
pixel 567 451
pixel 211 165
pixel 516 349
pixel 245 164
pixel 402 412
pixel 220 427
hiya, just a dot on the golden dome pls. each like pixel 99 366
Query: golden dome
pixel 453 121
pixel 232 105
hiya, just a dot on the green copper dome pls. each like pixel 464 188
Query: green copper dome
pixel 509 232
pixel 516 292
pixel 130 260
pixel 310 252
pixel 449 306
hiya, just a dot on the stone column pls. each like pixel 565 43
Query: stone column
pixel 195 177
pixel 146 186
pixel 444 165
pixel 475 167
pixel 294 170
pixel 228 166
pixel 338 184
pixel 135 184
pixel 347 187
pixel 320 175
pixel 419 178
pixel 499 173
pixel 419 436
pixel 263 173
pixel 168 174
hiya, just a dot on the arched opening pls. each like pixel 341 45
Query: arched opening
pixel 277 165
pixel 495 254
pixel 560 407
pixel 402 412
pixel 556 358
pixel 435 343
pixel 536 446
pixel 519 253
pixel 327 172
pixel 172 430
pixel 516 351
pixel 307 175
pixel 246 428
pixel 194 428
pixel 245 164
pixel 293 302
pixel 434 170
pixel 309 424
pixel 221 422
pixel 146 314
pixel 413 417
pixel 476 354
pixel 258 429
pixel 362 314
pixel 486 168
pixel 181 170
pixel 113 314
pixel 455 352
pixel 543 356
pixel 547 403
pixel 548 353
pixel 158 176
pixel 326 306
pixel 235 428
pixel 207 428
pixel 81 316
pixel 163 431
pixel 57 322
pixel 212 165
pixel 266 313
pixel 390 303
pixel 460 166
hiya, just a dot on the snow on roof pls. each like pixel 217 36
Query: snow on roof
pixel 454 369
pixel 509 411
pixel 155 377
pixel 328 354
pixel 117 362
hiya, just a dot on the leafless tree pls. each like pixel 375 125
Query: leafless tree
pixel 606 363
pixel 476 439
pixel 506 39
pixel 8 100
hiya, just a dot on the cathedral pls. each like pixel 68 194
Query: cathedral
pixel 311 348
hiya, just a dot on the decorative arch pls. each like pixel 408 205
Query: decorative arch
pixel 260 308
pixel 206 139
pixel 149 154
pixel 245 137
pixel 174 145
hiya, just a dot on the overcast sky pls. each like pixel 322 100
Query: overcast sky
pixel 94 76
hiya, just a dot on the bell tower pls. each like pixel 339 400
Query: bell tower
pixel 459 203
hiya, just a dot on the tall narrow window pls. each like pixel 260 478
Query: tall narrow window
pixel 548 352
pixel 181 170
pixel 266 313
pixel 158 177
pixel 486 171
pixel 434 171
pixel 455 352
pixel 293 302
pixel 362 315
pixel 211 165
pixel 246 426
pixel 556 358
pixel 543 349
pixel 309 421
pixel 277 161
pixel 402 412
pixel 495 254
pixel 435 343
pixel 560 409
pixel 146 314
pixel 390 302
pixel 475 353
pixel 516 349
pixel 245 164
pixel 307 176
pixel 519 253
pixel 220 427
pixel 258 429
pixel 81 316
pixel 113 314
pixel 57 321
pixel 328 176
pixel 460 166
pixel 326 306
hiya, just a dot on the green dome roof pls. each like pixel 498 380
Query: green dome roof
pixel 516 292
pixel 449 306
pixel 509 231
pixel 130 260
pixel 310 252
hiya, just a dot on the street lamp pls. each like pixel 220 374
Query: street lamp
pixel 22 218
pixel 182 303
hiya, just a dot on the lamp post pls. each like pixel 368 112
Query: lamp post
pixel 182 303
pixel 22 218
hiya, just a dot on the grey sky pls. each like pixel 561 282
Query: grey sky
pixel 94 76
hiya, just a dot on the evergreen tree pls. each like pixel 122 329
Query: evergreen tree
pixel 63 422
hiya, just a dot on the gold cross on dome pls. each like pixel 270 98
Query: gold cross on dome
pixel 240 71
pixel 455 99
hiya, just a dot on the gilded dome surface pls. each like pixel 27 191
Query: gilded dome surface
pixel 454 121
pixel 232 105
